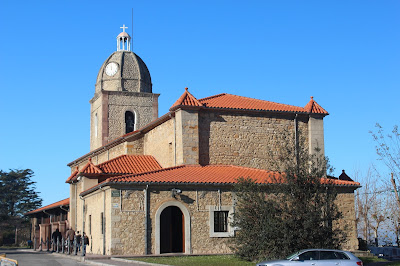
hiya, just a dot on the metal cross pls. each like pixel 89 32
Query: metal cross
pixel 123 27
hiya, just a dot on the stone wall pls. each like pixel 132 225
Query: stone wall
pixel 96 204
pixel 250 140
pixel 125 218
pixel 128 235
pixel 346 205
pixel 140 104
pixel 96 109
pixel 160 143
pixel 128 222
pixel 187 137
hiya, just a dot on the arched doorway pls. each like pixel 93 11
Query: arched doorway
pixel 172 230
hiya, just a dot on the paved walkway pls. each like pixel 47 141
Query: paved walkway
pixel 45 258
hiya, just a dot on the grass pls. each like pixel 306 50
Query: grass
pixel 197 260
pixel 367 260
pixel 12 247
pixel 227 260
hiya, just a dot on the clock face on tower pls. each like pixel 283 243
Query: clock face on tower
pixel 111 69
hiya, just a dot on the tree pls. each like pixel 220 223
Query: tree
pixel 300 212
pixel 17 196
pixel 388 150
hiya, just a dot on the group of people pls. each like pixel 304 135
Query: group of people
pixel 73 240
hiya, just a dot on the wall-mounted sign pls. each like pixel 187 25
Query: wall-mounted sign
pixel 115 193
pixel 115 205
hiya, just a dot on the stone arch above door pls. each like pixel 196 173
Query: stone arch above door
pixel 186 214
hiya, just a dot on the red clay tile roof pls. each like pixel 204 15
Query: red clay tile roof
pixel 229 101
pixel 64 202
pixel 124 164
pixel 73 175
pixel 90 168
pixel 313 107
pixel 186 99
pixel 130 164
pixel 211 174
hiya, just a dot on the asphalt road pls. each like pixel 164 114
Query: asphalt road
pixel 30 258
pixel 26 257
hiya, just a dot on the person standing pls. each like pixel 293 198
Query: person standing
pixel 54 237
pixel 69 236
pixel 85 241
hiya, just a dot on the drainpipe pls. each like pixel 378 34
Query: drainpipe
pixel 76 205
pixel 296 138
pixel 146 213
pixel 83 213
pixel 104 222
pixel 170 115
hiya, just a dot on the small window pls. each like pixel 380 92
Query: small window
pixel 102 223
pixel 95 125
pixel 129 122
pixel 90 224
pixel 221 221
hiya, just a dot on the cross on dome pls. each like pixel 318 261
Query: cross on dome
pixel 123 27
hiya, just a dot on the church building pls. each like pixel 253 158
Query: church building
pixel 152 185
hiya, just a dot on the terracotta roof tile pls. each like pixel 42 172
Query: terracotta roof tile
pixel 186 99
pixel 64 202
pixel 130 164
pixel 72 176
pixel 90 168
pixel 124 164
pixel 313 107
pixel 230 101
pixel 212 174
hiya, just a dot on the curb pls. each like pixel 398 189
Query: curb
pixel 139 262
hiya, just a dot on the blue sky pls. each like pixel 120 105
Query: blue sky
pixel 344 53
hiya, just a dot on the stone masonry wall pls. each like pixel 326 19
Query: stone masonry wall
pixel 128 220
pixel 250 140
pixel 94 206
pixel 125 220
pixel 187 137
pixel 140 104
pixel 345 203
pixel 160 143
pixel 95 108
pixel 127 236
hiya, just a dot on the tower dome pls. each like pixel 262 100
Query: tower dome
pixel 124 70
pixel 123 101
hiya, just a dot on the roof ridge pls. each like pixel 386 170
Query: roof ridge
pixel 213 96
pixel 260 100
pixel 313 107
pixel 186 99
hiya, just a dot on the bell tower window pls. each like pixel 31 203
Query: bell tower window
pixel 129 122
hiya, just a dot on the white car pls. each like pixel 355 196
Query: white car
pixel 316 257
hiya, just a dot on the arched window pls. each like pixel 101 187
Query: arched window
pixel 129 122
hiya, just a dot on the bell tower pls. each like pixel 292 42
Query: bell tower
pixel 124 100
